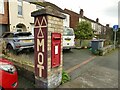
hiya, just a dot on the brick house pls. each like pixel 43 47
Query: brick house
pixel 20 18
pixel 75 18
pixel 4 16
pixel 20 15
pixel 109 33
pixel 17 14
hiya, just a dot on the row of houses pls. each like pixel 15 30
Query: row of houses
pixel 15 15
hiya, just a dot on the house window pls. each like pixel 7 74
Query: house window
pixel 1 6
pixel 19 0
pixel 20 8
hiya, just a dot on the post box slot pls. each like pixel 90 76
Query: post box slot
pixel 57 38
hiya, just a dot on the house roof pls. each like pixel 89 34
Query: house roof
pixel 84 17
pixel 70 11
pixel 45 4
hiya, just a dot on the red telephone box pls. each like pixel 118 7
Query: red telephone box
pixel 56 49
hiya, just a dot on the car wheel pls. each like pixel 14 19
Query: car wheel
pixel 69 49
pixel 1 88
pixel 9 48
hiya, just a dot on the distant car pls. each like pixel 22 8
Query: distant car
pixel 68 38
pixel 17 41
pixel 8 75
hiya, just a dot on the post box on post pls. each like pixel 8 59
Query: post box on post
pixel 48 47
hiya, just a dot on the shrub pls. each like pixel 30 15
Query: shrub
pixel 2 46
pixel 65 77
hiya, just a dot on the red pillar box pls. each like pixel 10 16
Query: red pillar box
pixel 48 50
pixel 56 49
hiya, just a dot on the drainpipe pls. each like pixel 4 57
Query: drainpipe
pixel 8 16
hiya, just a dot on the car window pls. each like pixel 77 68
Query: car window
pixel 10 35
pixel 68 32
pixel 5 35
pixel 23 34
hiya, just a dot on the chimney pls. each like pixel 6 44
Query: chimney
pixel 97 20
pixel 81 12
pixel 107 25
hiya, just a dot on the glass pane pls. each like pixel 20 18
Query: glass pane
pixel 68 32
pixel 1 6
pixel 23 34
pixel 19 0
pixel 19 10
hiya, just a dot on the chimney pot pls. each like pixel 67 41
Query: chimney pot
pixel 107 25
pixel 97 20
pixel 81 12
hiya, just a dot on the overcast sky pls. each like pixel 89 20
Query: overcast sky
pixel 105 10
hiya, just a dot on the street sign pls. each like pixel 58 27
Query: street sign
pixel 115 28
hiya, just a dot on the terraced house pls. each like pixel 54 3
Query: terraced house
pixel 4 16
pixel 15 15
pixel 20 15
pixel 75 18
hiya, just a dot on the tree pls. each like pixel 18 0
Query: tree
pixel 84 30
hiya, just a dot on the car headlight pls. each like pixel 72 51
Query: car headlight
pixel 8 68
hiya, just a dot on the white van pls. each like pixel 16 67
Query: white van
pixel 68 38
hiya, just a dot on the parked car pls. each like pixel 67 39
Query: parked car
pixel 68 38
pixel 17 41
pixel 8 75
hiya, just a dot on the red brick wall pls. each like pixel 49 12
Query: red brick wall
pixel 4 17
pixel 74 18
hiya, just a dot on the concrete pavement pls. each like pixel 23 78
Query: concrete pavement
pixel 75 57
pixel 101 72
pixel 70 59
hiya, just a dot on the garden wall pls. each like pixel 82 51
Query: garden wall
pixel 106 49
pixel 25 69
pixel 84 43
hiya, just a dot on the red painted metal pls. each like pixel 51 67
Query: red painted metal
pixel 56 49
pixel 8 80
